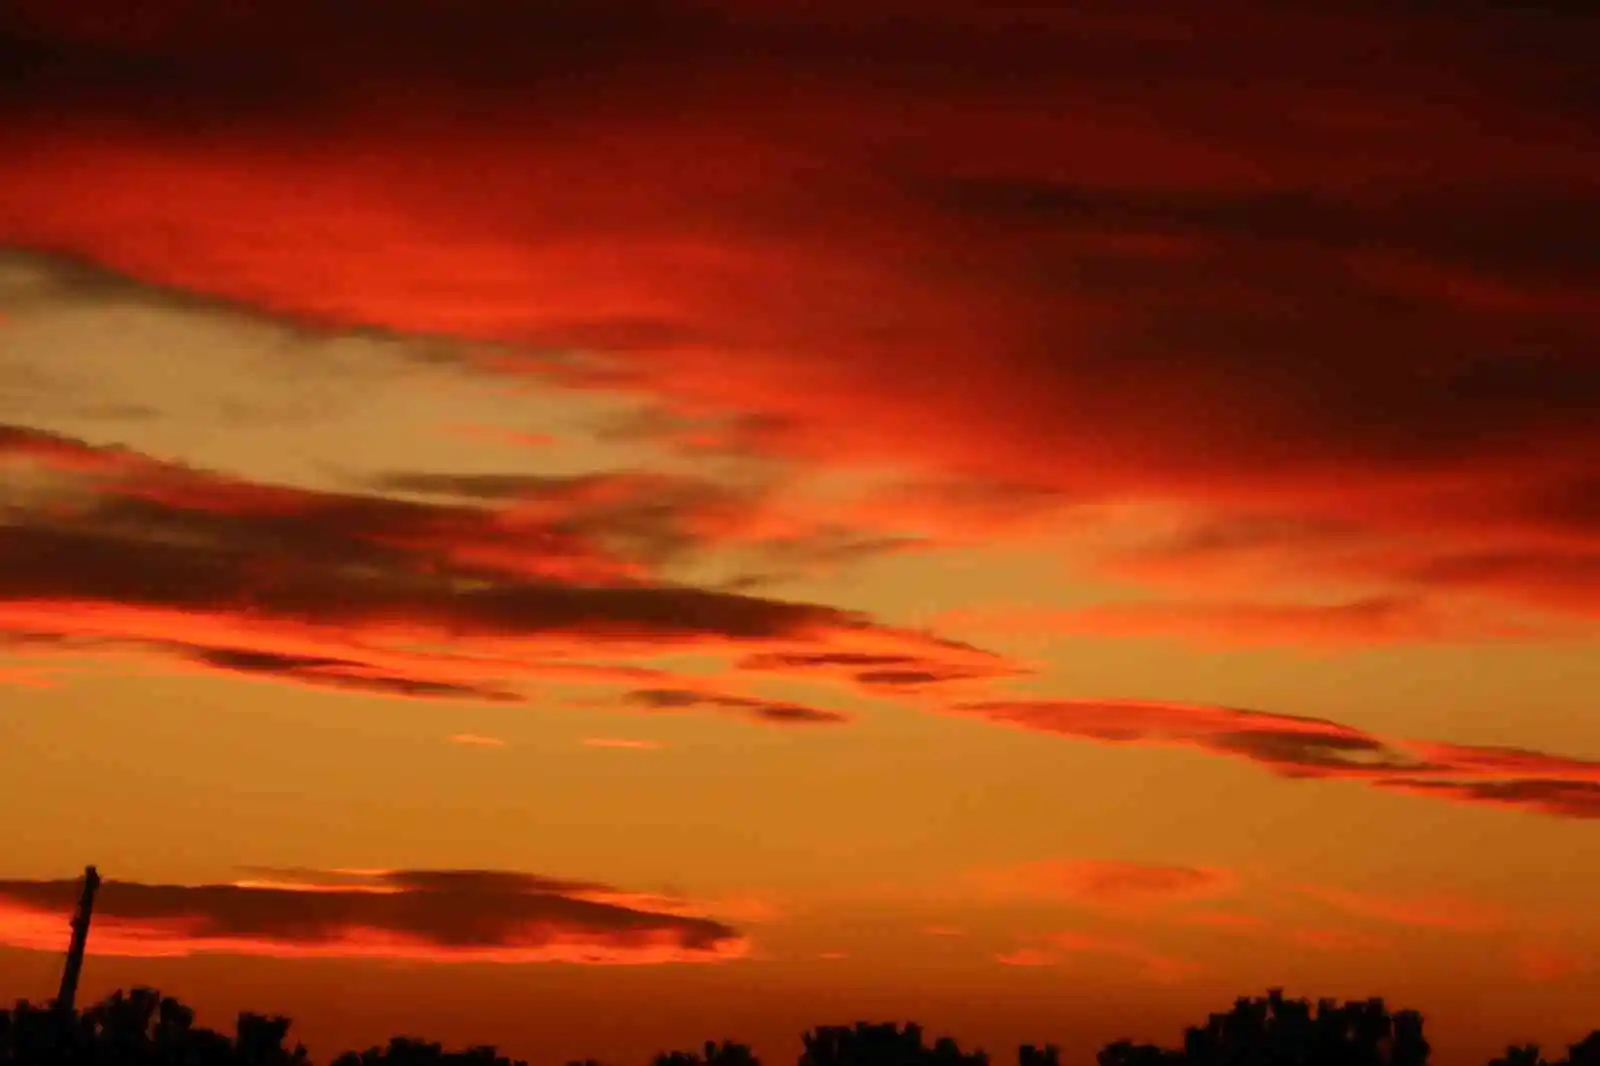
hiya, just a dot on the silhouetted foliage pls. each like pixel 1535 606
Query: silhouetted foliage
pixel 883 1044
pixel 142 1028
pixel 1028 1055
pixel 410 1051
pixel 723 1054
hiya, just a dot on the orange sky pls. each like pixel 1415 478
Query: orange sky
pixel 600 527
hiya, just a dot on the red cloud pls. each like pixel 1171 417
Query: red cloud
pixel 621 742
pixel 1547 963
pixel 1561 799
pixel 1440 911
pixel 438 916
pixel 1055 947
pixel 1290 745
pixel 1299 747
pixel 1106 883
pixel 1165 293
pixel 1026 956
pixel 476 740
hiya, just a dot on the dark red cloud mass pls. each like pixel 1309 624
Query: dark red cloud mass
pixel 1299 747
pixel 446 915
pixel 1118 251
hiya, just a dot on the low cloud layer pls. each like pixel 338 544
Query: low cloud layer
pixel 437 916
pixel 1298 747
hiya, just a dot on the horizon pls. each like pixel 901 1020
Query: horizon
pixel 144 1025
pixel 692 514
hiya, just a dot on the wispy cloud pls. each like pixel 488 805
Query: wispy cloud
pixel 764 710
pixel 476 740
pixel 624 743
pixel 1354 623
pixel 1054 949
pixel 1437 910
pixel 340 590
pixel 1544 963
pixel 1110 884
pixel 1300 747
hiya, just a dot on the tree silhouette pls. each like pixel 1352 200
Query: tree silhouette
pixel 1585 1052
pixel 715 1054
pixel 1519 1055
pixel 882 1044
pixel 410 1051
pixel 141 1027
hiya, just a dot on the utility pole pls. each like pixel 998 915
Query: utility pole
pixel 67 997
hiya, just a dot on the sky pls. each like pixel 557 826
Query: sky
pixel 594 527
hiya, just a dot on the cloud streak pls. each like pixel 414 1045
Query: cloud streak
pixel 1300 747
pixel 434 916
pixel 1054 949
pixel 476 740
pixel 1107 884
pixel 1355 623
pixel 115 548
pixel 776 711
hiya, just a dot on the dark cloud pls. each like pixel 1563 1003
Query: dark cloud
pixel 886 672
pixel 331 589
pixel 1561 799
pixel 472 486
pixel 1288 744
pixel 610 527
pixel 750 706
pixel 823 660
pixel 44 564
pixel 348 674
pixel 436 914
pixel 168 63
pixel 1299 747
pixel 1550 238
pixel 281 58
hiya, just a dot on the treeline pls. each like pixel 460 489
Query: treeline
pixel 144 1028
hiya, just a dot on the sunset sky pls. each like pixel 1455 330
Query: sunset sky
pixel 594 526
